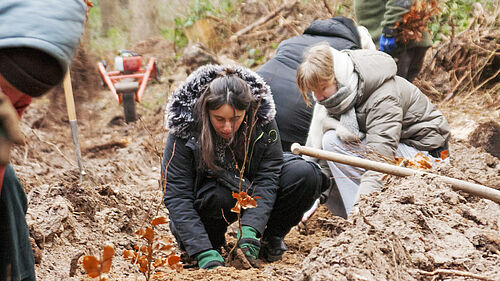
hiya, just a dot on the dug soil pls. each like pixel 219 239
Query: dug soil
pixel 416 228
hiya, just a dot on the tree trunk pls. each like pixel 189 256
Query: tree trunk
pixel 110 14
pixel 144 19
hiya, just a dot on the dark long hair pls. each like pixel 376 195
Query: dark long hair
pixel 235 92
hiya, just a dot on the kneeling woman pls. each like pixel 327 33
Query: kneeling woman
pixel 210 117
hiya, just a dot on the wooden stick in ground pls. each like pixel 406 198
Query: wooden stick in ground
pixel 70 104
pixel 472 188
pixel 263 19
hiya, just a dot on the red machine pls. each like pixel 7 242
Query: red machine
pixel 128 81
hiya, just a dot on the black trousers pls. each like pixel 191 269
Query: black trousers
pixel 409 61
pixel 301 183
pixel 16 254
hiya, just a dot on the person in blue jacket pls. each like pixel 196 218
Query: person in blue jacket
pixel 38 39
pixel 221 122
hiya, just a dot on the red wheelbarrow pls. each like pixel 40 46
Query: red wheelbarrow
pixel 128 81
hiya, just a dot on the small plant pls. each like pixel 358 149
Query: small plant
pixel 157 252
pixel 243 200
pixel 96 267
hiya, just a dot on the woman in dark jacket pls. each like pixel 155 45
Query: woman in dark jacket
pixel 210 118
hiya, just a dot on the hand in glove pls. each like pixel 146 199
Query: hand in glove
pixel 249 244
pixel 10 133
pixel 387 44
pixel 209 259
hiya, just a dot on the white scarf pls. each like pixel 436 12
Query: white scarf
pixel 342 102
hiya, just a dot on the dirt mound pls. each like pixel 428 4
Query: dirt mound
pixel 84 76
pixel 486 135
pixel 85 82
pixel 157 47
pixel 414 226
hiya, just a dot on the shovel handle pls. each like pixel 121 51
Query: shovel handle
pixel 472 188
pixel 68 94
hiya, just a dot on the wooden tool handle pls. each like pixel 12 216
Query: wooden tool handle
pixel 472 188
pixel 68 93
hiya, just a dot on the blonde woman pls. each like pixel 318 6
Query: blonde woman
pixel 366 102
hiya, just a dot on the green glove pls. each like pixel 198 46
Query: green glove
pixel 209 259
pixel 249 244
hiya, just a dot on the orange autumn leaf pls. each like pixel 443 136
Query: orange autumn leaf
pixel 164 244
pixel 159 262
pixel 423 162
pixel 173 260
pixel 420 161
pixel 149 235
pixel 91 266
pixel 142 248
pixel 159 220
pixel 177 267
pixel 89 5
pixel 237 196
pixel 142 263
pixel 128 254
pixel 444 154
pixel 243 201
pixel 164 240
pixel 398 160
pixel 236 208
pixel 107 259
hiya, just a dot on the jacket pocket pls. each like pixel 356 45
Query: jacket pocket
pixel 231 181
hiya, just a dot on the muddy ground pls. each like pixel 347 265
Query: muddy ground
pixel 414 225
pixel 417 228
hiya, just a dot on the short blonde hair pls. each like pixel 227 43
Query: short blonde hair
pixel 315 69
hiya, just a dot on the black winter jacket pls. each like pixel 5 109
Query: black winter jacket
pixel 181 176
pixel 293 115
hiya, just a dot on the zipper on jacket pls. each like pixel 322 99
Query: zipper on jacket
pixel 251 153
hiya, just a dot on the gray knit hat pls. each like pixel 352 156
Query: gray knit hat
pixel 31 71
pixel 36 50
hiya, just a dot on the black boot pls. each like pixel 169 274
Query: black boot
pixel 273 248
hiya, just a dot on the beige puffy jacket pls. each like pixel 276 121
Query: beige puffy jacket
pixel 392 110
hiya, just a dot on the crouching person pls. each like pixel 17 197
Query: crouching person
pixel 367 108
pixel 217 113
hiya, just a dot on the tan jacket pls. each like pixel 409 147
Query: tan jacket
pixel 391 110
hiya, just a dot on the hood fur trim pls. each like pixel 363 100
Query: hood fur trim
pixel 179 112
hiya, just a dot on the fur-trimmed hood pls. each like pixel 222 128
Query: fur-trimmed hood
pixel 179 112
